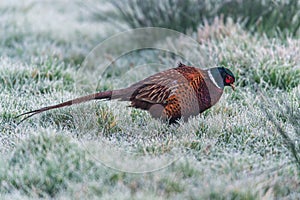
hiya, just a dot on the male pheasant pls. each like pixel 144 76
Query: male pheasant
pixel 176 93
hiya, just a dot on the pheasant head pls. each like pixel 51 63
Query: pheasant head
pixel 221 77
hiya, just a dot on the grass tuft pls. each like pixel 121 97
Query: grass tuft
pixel 107 121
pixel 45 77
pixel 45 163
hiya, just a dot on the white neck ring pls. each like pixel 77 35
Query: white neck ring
pixel 213 79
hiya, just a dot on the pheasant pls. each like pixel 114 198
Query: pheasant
pixel 172 94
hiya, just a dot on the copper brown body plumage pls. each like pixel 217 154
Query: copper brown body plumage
pixel 176 93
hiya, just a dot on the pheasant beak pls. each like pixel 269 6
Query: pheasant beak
pixel 232 86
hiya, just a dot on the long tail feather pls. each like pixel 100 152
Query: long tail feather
pixel 100 95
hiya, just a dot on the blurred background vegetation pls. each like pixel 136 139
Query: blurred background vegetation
pixel 270 17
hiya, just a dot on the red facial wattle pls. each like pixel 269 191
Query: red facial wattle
pixel 229 81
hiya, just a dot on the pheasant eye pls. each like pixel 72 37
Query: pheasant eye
pixel 228 79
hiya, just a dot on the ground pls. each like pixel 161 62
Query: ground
pixel 235 150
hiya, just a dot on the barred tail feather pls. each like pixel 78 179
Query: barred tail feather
pixel 100 95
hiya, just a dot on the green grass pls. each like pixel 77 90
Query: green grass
pixel 54 75
pixel 46 163
pixel 245 147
